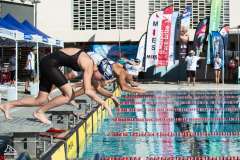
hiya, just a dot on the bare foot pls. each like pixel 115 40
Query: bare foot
pixel 115 101
pixel 41 117
pixel 73 103
pixel 5 110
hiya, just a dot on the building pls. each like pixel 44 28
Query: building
pixel 116 20
pixel 21 11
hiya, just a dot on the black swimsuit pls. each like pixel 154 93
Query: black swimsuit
pixel 49 69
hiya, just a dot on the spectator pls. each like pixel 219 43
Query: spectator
pixel 231 68
pixel 217 67
pixel 12 62
pixel 191 60
pixel 30 69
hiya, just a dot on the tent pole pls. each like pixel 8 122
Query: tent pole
pixel 16 71
pixel 37 63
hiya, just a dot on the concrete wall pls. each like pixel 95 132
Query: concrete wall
pixel 55 18
pixel 234 13
pixel 18 10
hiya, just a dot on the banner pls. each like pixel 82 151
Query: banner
pixel 153 39
pixel 201 33
pixel 218 46
pixel 215 17
pixel 141 49
pixel 171 56
pixel 225 32
pixel 184 31
pixel 163 51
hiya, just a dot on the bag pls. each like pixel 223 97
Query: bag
pixel 105 68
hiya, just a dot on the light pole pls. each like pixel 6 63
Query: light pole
pixel 35 2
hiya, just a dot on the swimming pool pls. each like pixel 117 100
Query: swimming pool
pixel 170 124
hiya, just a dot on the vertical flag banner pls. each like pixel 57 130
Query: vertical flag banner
pixel 152 41
pixel 141 49
pixel 201 33
pixel 225 32
pixel 164 47
pixel 215 16
pixel 217 48
pixel 184 31
pixel 171 56
pixel 218 45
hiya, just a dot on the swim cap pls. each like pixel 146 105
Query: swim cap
pixel 105 68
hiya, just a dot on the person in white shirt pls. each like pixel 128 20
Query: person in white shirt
pixel 30 69
pixel 191 60
pixel 217 67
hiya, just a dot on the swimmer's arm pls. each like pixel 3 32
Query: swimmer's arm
pixel 102 90
pixel 87 76
pixel 125 87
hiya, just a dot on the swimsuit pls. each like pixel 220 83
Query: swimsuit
pixel 49 69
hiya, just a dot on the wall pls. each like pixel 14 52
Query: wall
pixel 19 11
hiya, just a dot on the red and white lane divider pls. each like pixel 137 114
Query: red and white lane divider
pixel 173 134
pixel 129 119
pixel 168 109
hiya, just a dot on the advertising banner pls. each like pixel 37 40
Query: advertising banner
pixel 184 31
pixel 166 25
pixel 214 23
pixel 141 49
pixel 153 39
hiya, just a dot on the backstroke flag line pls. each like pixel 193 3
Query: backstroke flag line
pixel 215 16
pixel 153 32
pixel 141 49
pixel 165 40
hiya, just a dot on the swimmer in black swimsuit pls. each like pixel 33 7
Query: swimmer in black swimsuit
pixel 51 75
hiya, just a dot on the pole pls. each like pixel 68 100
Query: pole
pixel 38 73
pixel 119 43
pixel 238 56
pixel 35 13
pixel 16 71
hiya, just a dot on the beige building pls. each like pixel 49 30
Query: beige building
pixel 114 20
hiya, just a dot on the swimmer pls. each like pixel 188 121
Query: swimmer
pixel 112 69
pixel 73 58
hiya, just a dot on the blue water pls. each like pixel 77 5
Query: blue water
pixel 217 104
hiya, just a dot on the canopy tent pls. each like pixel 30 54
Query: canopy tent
pixel 45 37
pixel 14 33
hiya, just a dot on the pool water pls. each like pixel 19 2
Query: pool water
pixel 170 124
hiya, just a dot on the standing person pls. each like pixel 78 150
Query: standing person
pixel 30 69
pixel 12 62
pixel 217 67
pixel 231 68
pixel 50 75
pixel 191 60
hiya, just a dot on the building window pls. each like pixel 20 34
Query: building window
pixel 103 14
pixel 200 9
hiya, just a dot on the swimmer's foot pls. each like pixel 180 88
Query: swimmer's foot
pixel 115 101
pixel 5 110
pixel 74 103
pixel 41 117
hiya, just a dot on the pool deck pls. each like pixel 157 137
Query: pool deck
pixel 155 86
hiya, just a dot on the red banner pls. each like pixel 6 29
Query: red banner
pixel 165 36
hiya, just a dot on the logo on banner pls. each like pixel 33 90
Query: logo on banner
pixel 10 151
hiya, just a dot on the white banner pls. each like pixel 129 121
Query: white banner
pixel 141 49
pixel 153 39
pixel 171 56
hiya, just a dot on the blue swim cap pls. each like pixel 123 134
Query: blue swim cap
pixel 105 68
